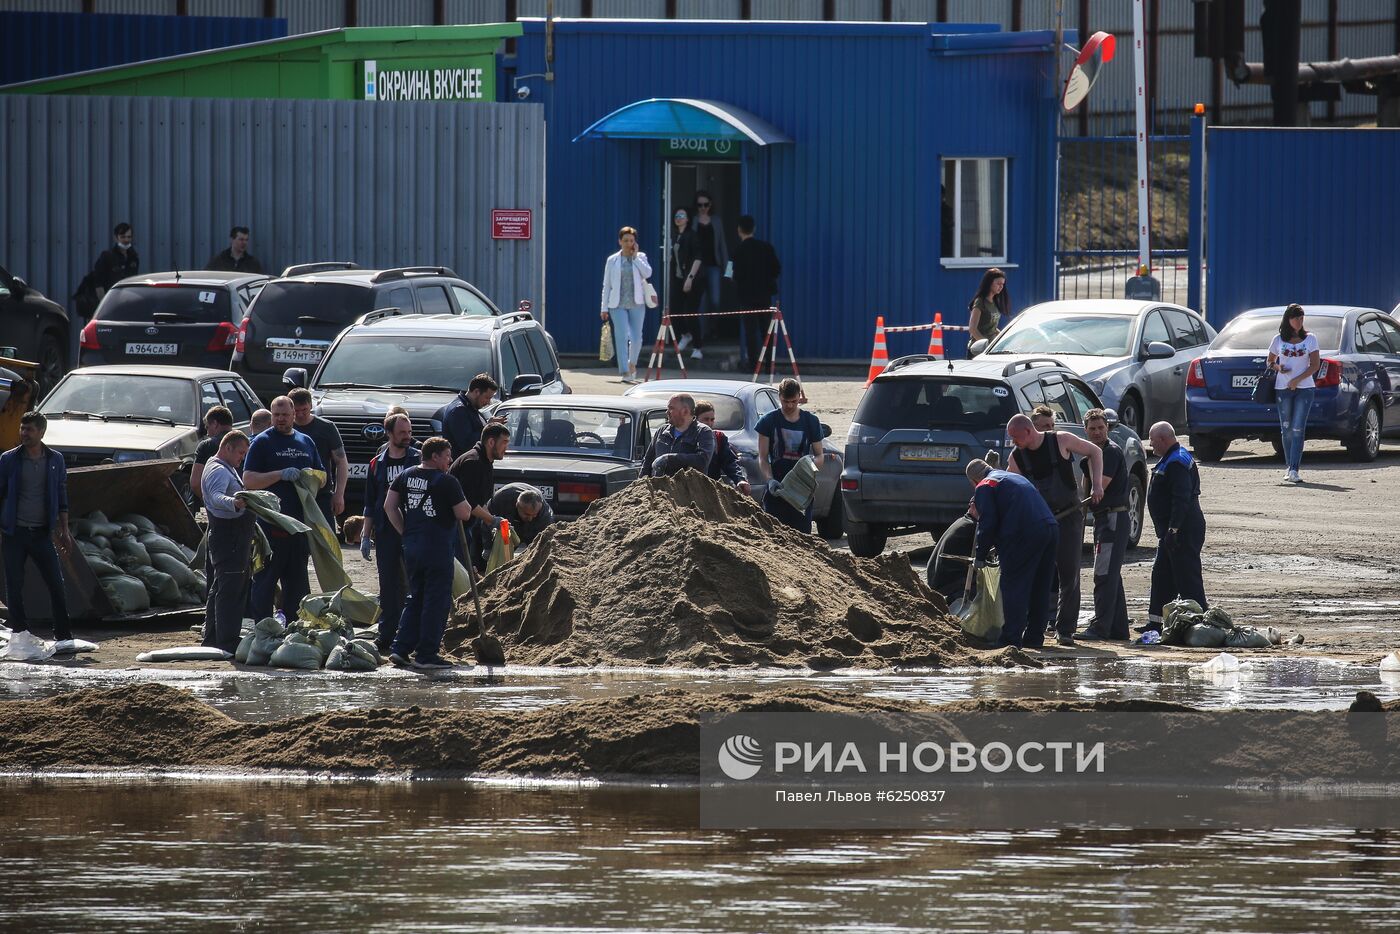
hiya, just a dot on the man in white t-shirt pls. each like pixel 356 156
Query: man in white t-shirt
pixel 1295 355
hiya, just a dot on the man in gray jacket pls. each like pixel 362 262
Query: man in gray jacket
pixel 686 443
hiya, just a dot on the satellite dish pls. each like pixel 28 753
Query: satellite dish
pixel 1085 71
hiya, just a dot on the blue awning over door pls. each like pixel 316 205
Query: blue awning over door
pixel 684 118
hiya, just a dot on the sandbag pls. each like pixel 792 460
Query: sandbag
pixel 103 543
pixel 291 654
pixel 1248 637
pixel 369 648
pixel 240 655
pixel 101 566
pixel 126 594
pixel 350 657
pixel 131 549
pixel 800 484
pixel 982 616
pixel 158 544
pixel 1206 636
pixel 98 524
pixel 267 636
pixel 161 586
pixel 327 641
pixel 80 528
pixel 177 569
pixel 128 529
pixel 142 524
pixel 88 547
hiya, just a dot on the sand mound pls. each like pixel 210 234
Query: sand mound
pixel 681 571
pixel 155 726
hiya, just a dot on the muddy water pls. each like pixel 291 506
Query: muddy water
pixel 1265 683
pixel 405 857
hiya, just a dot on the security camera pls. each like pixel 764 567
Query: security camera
pixel 522 92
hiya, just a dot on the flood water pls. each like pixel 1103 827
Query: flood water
pixel 172 856
pixel 234 853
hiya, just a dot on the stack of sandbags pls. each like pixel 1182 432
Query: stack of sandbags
pixel 307 645
pixel 136 566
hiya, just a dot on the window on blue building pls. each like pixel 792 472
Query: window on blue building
pixel 973 211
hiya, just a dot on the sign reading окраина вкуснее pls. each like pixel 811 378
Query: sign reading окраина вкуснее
pixel 467 79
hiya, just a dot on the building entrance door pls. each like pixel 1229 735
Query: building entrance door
pixel 724 183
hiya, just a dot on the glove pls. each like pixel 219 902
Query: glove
pixel 774 487
pixel 290 474
pixel 661 467
pixel 365 546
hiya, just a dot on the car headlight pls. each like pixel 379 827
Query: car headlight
pixel 126 457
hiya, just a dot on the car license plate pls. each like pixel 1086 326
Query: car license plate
pixel 359 471
pixel 928 452
pixel 1244 382
pixel 546 491
pixel 152 349
pixel 296 356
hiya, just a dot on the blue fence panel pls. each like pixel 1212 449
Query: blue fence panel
pixel 41 45
pixel 1302 215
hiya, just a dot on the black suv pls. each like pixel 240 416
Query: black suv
pixel 421 362
pixel 299 314
pixel 190 319
pixel 36 328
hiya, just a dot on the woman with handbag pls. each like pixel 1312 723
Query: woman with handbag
pixel 1295 356
pixel 626 297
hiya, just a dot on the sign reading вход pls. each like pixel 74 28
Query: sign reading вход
pixel 424 83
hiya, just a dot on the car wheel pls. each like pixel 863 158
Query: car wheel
pixel 1137 507
pixel 1130 413
pixel 1365 444
pixel 865 539
pixel 1209 448
pixel 833 524
pixel 51 360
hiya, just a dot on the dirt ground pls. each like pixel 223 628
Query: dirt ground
pixel 1317 559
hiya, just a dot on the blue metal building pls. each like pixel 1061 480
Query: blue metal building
pixel 1302 215
pixel 38 45
pixel 889 164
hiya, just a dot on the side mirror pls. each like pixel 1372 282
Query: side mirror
pixel 295 377
pixel 977 346
pixel 1157 350
pixel 826 430
pixel 1111 416
pixel 18 287
pixel 527 384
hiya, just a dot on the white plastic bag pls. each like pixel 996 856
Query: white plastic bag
pixel 1391 663
pixel 26 647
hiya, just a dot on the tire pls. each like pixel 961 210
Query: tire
pixel 832 526
pixel 1209 448
pixel 1137 509
pixel 52 364
pixel 1365 444
pixel 864 539
pixel 1131 413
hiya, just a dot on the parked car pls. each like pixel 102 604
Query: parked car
pixel 1358 385
pixel 924 420
pixel 36 328
pixel 421 362
pixel 121 413
pixel 299 314
pixel 577 449
pixel 1133 354
pixel 738 407
pixel 188 319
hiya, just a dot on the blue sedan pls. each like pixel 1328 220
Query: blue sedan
pixel 1358 384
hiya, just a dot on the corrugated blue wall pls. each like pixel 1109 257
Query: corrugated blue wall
pixel 1300 215
pixel 852 206
pixel 39 45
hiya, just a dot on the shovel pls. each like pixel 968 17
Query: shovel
pixel 487 649
pixel 964 602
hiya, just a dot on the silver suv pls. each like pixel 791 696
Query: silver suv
pixel 923 420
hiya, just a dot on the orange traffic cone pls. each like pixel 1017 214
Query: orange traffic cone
pixel 935 337
pixel 880 356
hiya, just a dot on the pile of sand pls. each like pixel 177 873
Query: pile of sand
pixel 157 727
pixel 682 571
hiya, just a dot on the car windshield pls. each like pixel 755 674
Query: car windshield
pixel 158 398
pixel 572 431
pixel 286 303
pixel 370 359
pixel 729 411
pixel 935 403
pixel 1255 332
pixel 1092 335
pixel 205 304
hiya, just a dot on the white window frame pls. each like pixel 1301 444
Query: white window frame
pixel 974 261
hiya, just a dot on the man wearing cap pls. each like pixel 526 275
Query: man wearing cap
pixel 1013 518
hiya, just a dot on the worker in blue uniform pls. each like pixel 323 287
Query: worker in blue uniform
pixel 1174 502
pixel 1013 517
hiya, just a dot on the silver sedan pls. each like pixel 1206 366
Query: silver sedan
pixel 1134 354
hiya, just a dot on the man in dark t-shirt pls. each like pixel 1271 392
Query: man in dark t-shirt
pixel 474 470
pixel 394 458
pixel 424 505
pixel 785 436
pixel 330 447
pixel 218 421
pixel 1111 530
